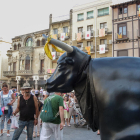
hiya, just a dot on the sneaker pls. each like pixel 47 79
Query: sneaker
pixel 8 135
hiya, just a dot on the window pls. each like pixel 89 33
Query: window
pixel 103 25
pixel 122 30
pixel 89 27
pixel 89 14
pixel 122 10
pixel 38 42
pixel 122 53
pixel 80 17
pixel 14 66
pixel 80 44
pixel 29 42
pixel 27 63
pixel 15 47
pixel 65 30
pixel 103 41
pixel 55 31
pixel 80 29
pixel 19 45
pixel 103 12
pixel 43 41
pixel 90 43
pixel 138 6
pixel 42 65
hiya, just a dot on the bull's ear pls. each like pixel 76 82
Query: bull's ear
pixel 69 60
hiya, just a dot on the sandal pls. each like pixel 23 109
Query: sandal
pixel 34 135
pixel 38 134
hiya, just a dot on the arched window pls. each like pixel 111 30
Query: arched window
pixel 29 42
pixel 43 41
pixel 19 45
pixel 15 47
pixel 38 42
pixel 27 63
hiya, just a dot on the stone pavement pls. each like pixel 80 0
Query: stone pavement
pixel 69 133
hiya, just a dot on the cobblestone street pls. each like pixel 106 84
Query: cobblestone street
pixel 69 133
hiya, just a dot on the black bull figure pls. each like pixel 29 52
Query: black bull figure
pixel 107 89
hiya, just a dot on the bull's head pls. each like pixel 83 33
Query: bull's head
pixel 69 66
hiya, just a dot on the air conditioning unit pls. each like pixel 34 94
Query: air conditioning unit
pixel 110 41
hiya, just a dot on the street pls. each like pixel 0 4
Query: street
pixel 69 133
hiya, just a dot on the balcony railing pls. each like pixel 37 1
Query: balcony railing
pixel 9 73
pixel 106 31
pixel 41 72
pixel 25 72
pixel 80 19
pixel 104 14
pixel 90 17
pixel 82 36
pixel 120 37
pixel 25 48
pixel 67 36
pixel 106 47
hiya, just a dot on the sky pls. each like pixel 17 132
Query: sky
pixel 18 17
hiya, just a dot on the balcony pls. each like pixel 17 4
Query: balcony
pixel 78 38
pixel 41 72
pixel 25 72
pixel 106 48
pixel 106 32
pixel 9 73
pixel 122 37
pixel 67 36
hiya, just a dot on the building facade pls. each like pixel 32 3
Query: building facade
pixel 92 28
pixel 60 29
pixel 126 31
pixel 27 60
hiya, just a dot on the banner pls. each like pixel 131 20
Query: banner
pixel 62 36
pixel 87 35
pixel 101 32
pixel 102 49
pixel 78 36
pixel 139 12
pixel 88 48
pixel 119 35
pixel 54 36
pixel 50 70
pixel 54 55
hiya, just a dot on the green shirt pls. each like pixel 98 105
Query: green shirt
pixel 56 101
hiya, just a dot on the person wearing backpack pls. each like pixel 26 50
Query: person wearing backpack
pixel 52 116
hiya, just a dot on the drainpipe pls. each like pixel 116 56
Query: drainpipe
pixel 95 29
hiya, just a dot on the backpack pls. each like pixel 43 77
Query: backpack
pixel 46 114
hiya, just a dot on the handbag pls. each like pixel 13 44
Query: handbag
pixel 66 107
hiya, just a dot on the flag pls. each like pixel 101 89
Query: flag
pixel 78 36
pixel 54 36
pixel 50 70
pixel 139 12
pixel 101 32
pixel 88 49
pixel 102 49
pixel 87 35
pixel 54 55
pixel 119 35
pixel 62 36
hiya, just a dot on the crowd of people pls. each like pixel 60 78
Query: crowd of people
pixel 29 104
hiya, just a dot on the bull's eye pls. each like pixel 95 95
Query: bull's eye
pixel 69 60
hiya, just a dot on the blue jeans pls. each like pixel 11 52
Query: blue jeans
pixel 22 124
pixel 2 120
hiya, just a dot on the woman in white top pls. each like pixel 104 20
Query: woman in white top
pixel 7 99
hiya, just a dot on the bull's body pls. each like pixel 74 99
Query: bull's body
pixel 117 88
pixel 108 90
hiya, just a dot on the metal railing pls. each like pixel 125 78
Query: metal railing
pixel 104 14
pixel 41 72
pixel 90 17
pixel 106 31
pixel 67 36
pixel 9 73
pixel 82 35
pixel 25 72
pixel 123 37
pixel 80 19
